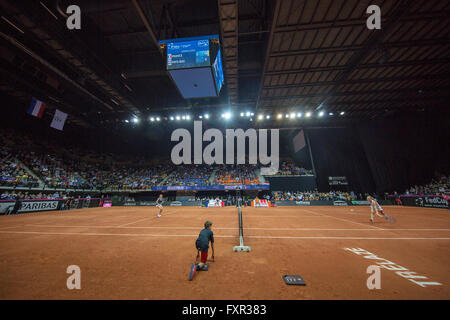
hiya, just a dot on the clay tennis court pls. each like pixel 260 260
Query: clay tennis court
pixel 127 253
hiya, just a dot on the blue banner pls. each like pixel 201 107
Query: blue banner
pixel 214 187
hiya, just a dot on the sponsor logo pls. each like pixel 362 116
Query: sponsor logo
pixel 145 203
pixel 175 203
pixel 360 202
pixel 303 203
pixel 6 207
pixel 39 206
pixel 434 202
pixel 340 203
pixel 419 202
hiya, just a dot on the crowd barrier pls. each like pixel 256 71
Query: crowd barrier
pixel 7 206
pixel 212 203
pixel 327 203
pixel 213 187
pixel 165 203
pixel 425 201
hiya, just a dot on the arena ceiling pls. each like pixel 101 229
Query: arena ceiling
pixel 280 56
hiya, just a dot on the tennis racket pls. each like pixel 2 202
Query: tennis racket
pixel 387 218
pixel 390 219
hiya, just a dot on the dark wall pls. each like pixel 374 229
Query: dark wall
pixel 407 151
pixel 339 152
pixel 384 155
pixel 305 183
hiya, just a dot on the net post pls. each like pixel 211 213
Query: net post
pixel 241 247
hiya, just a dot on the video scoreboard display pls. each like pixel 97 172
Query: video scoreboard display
pixel 195 65
pixel 218 71
pixel 188 54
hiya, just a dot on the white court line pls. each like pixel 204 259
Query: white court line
pixel 324 215
pixel 126 224
pixel 247 215
pixel 217 236
pixel 233 228
pixel 3 228
pixel 343 238
pixel 152 217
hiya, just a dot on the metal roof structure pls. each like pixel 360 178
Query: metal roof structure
pixel 279 56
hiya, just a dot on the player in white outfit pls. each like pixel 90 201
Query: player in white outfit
pixel 377 209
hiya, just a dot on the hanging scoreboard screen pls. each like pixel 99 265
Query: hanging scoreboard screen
pixel 218 72
pixel 194 65
pixel 188 54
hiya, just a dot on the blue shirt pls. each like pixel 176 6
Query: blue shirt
pixel 204 238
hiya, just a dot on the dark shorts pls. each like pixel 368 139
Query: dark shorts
pixel 201 247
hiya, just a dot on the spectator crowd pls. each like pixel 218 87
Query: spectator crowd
pixel 289 168
pixel 315 195
pixel 440 186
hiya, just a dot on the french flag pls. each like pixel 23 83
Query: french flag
pixel 36 108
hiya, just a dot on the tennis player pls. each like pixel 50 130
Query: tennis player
pixel 202 245
pixel 159 202
pixel 377 209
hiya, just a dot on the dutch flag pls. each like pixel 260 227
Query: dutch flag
pixel 36 108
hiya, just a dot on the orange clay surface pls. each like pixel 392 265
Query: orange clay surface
pixel 128 253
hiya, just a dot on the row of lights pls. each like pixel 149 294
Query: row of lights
pixel 308 114
pixel 229 115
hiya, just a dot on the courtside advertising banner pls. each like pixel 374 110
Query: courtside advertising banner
pixel 260 203
pixel 425 201
pixel 29 206
pixel 6 206
pixel 215 203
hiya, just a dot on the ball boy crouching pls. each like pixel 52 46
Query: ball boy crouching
pixel 202 245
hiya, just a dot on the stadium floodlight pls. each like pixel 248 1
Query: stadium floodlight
pixel 171 118
pixel 206 116
pixel 152 119
pixel 268 117
pixel 342 113
pixel 292 115
pixel 247 114
pixel 242 114
pixel 331 113
pixel 177 117
pixel 321 114
pixel 135 120
pixel 158 119
pixel 308 114
pixel 252 114
pixel 280 116
pixel 188 117
pixel 226 115
pixel 287 115
pixel 200 117
pixel 260 117
pixel 299 115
